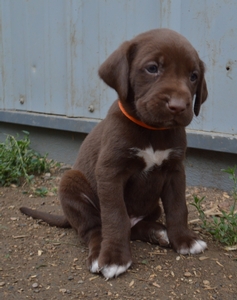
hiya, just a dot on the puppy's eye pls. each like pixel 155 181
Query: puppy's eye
pixel 152 69
pixel 193 77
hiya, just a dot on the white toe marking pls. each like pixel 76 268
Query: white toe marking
pixel 164 236
pixel 114 270
pixel 94 268
pixel 197 247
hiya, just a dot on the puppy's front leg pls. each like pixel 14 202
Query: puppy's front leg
pixel 115 255
pixel 182 239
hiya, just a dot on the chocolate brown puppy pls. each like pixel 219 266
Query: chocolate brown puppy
pixel 133 159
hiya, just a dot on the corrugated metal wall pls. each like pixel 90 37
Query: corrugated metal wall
pixel 50 51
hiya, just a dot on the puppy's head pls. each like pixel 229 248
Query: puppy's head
pixel 156 75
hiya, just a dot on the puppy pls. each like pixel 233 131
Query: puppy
pixel 134 157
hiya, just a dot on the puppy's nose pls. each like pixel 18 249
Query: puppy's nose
pixel 176 106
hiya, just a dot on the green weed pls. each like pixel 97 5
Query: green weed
pixel 18 162
pixel 223 228
pixel 42 192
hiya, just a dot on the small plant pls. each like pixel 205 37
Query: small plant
pixel 224 227
pixel 198 205
pixel 19 162
pixel 42 192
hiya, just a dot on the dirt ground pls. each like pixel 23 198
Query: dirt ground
pixel 42 262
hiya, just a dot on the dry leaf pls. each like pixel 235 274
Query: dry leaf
pixel 93 278
pixel 219 264
pixel 203 258
pixel 159 268
pixel 156 284
pixel 231 248
pixel 19 236
pixel 131 283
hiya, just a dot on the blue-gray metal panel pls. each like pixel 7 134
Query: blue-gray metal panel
pixel 97 28
pixel 211 26
pixel 6 84
pixel 51 50
pixel 33 60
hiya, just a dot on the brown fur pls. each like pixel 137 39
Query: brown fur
pixel 108 185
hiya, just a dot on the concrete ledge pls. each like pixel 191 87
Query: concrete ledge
pixel 203 167
pixel 196 139
pixel 212 141
pixel 82 125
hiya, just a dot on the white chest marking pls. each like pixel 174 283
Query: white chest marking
pixel 152 157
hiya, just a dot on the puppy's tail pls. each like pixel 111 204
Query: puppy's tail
pixel 52 220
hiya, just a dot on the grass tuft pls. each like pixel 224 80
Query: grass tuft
pixel 223 228
pixel 19 163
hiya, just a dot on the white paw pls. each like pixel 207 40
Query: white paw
pixel 159 237
pixel 94 268
pixel 114 270
pixel 197 247
pixel 163 235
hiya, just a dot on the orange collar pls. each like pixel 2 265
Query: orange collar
pixel 138 122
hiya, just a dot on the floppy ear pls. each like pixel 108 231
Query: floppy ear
pixel 115 70
pixel 202 93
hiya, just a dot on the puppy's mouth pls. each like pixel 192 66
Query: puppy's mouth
pixel 160 117
pixel 162 122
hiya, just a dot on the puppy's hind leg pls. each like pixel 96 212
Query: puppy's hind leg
pixel 81 207
pixel 148 230
pixel 152 232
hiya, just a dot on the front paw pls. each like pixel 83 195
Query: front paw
pixel 112 261
pixel 195 247
pixel 188 244
pixel 110 271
